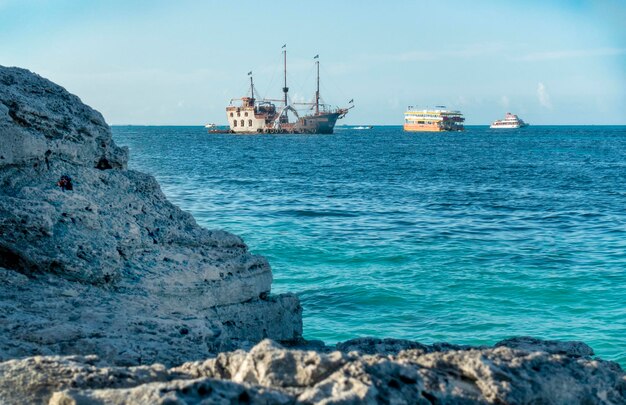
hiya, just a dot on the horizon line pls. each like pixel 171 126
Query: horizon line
pixel 377 125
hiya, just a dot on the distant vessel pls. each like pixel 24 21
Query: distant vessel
pixel 363 127
pixel 254 116
pixel 435 120
pixel 510 121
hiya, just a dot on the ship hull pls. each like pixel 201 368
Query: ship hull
pixel 429 128
pixel 507 126
pixel 323 123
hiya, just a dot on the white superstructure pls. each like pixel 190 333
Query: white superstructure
pixel 511 121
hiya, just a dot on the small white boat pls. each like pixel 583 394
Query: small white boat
pixel 510 121
pixel 363 127
pixel 210 126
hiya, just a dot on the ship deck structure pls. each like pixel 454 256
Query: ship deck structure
pixel 438 119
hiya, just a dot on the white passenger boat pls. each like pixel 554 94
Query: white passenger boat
pixel 511 121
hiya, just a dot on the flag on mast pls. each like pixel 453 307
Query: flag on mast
pixel 316 56
pixel 250 73
pixel 351 101
pixel 284 46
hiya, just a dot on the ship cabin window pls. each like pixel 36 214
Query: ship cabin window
pixel 231 114
pixel 234 123
pixel 249 123
pixel 246 113
pixel 420 122
pixel 238 114
pixel 242 123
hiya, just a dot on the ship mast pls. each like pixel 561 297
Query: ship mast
pixel 285 88
pixel 317 92
pixel 251 86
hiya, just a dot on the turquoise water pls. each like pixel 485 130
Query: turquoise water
pixel 462 237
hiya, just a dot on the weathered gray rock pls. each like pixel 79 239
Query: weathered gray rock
pixel 34 379
pixel 40 121
pixel 269 373
pixel 573 349
pixel 379 346
pixel 270 365
pixel 204 391
pixel 112 268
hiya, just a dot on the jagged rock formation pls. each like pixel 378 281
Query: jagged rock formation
pixel 112 268
pixel 403 373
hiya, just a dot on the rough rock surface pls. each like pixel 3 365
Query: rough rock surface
pixel 271 374
pixel 112 268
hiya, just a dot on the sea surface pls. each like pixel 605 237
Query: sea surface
pixel 467 237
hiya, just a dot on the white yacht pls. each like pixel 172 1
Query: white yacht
pixel 511 121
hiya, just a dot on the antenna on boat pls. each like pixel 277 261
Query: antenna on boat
pixel 285 89
pixel 317 92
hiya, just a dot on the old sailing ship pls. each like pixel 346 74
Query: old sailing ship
pixel 247 115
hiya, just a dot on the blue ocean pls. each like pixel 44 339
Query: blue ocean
pixel 467 237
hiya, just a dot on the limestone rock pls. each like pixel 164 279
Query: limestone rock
pixel 269 373
pixel 270 365
pixel 573 349
pixel 40 121
pixel 204 391
pixel 379 346
pixel 111 267
pixel 34 379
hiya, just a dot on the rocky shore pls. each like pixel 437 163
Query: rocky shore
pixel 111 267
pixel 517 371
pixel 110 294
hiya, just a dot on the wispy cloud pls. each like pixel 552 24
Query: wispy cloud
pixel 505 102
pixel 543 96
pixel 466 52
pixel 570 54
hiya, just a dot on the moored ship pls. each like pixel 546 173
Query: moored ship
pixel 510 121
pixel 248 115
pixel 433 120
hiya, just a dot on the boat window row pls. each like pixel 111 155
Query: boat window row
pixel 419 122
pixel 432 117
pixel 242 122
pixel 239 114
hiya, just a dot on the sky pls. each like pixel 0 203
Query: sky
pixel 180 62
